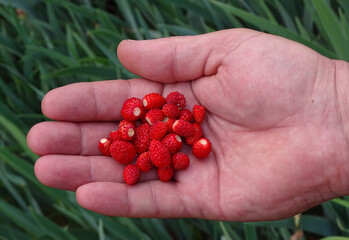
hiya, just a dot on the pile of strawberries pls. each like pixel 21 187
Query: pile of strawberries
pixel 152 132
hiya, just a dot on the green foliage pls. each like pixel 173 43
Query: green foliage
pixel 49 43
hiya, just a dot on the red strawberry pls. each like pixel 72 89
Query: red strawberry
pixel 158 130
pixel 127 130
pixel 132 109
pixel 176 98
pixel 183 128
pixel 202 148
pixel 198 134
pixel 199 113
pixel 170 110
pixel 131 174
pixel 142 139
pixel 142 119
pixel 159 154
pixel 122 151
pixel 169 122
pixel 180 161
pixel 154 115
pixel 186 115
pixel 115 135
pixel 144 163
pixel 165 173
pixel 173 142
pixel 103 146
pixel 153 100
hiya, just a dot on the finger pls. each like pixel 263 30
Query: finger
pixel 70 172
pixel 180 58
pixel 95 101
pixel 152 199
pixel 68 138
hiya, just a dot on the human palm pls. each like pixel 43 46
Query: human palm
pixel 271 118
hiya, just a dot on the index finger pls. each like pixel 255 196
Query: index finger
pixel 94 101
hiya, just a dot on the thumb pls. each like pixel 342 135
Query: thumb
pixel 177 59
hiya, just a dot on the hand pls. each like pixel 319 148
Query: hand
pixel 272 118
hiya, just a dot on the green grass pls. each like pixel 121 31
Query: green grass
pixel 57 42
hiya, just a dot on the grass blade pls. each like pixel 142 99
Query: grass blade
pixel 95 73
pixel 7 232
pixel 50 228
pixel 18 135
pixel 250 232
pixel 127 12
pixel 332 27
pixel 19 218
pixel 5 179
pixel 285 17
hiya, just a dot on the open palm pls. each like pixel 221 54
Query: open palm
pixel 271 118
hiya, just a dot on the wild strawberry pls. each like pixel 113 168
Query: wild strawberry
pixel 103 146
pixel 115 135
pixel 154 115
pixel 122 151
pixel 127 130
pixel 159 154
pixel 131 174
pixel 144 163
pixel 142 119
pixel 132 109
pixel 198 134
pixel 183 128
pixel 142 139
pixel 169 122
pixel 186 115
pixel 202 148
pixel 199 113
pixel 170 110
pixel 180 161
pixel 165 173
pixel 158 130
pixel 153 101
pixel 176 98
pixel 173 142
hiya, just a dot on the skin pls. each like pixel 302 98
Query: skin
pixel 275 116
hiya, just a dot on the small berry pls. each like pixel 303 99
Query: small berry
pixel 158 130
pixel 170 110
pixel 142 139
pixel 103 146
pixel 183 128
pixel 153 101
pixel 169 122
pixel 186 115
pixel 159 154
pixel 115 135
pixel 199 113
pixel 165 173
pixel 122 151
pixel 202 148
pixel 142 119
pixel 180 161
pixel 173 142
pixel 198 134
pixel 144 163
pixel 176 98
pixel 131 174
pixel 132 109
pixel 154 115
pixel 127 130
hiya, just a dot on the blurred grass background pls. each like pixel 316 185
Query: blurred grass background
pixel 45 44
